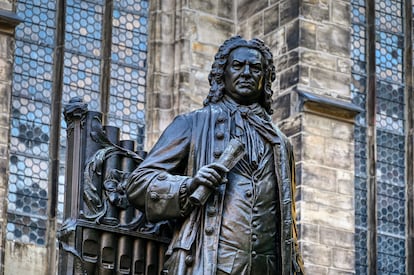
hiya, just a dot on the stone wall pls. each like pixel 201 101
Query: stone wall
pixel 184 36
pixel 7 24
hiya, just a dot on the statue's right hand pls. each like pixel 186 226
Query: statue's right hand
pixel 210 175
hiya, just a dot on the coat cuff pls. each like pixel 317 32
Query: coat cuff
pixel 164 197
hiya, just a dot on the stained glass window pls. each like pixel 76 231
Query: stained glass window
pixel 390 165
pixel 32 87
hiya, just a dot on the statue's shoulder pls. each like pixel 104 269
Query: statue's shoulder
pixel 211 109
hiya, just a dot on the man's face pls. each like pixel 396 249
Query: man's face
pixel 243 76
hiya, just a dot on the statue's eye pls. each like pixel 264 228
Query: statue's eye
pixel 236 65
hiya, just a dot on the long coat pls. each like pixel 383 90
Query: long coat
pixel 157 187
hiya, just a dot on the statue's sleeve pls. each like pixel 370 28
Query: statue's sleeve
pixel 159 185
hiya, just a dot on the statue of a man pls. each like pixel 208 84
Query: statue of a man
pixel 247 225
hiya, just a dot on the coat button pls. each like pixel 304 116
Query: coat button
pixel 255 224
pixel 254 253
pixel 189 260
pixel 154 196
pixel 217 153
pixel 255 210
pixel 220 135
pixel 211 211
pixel 254 237
pixel 249 193
pixel 209 230
pixel 162 177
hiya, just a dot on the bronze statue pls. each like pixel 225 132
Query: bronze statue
pixel 244 220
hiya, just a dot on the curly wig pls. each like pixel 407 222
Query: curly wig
pixel 217 87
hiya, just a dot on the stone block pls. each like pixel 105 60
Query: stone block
pixel 213 30
pixel 343 131
pixel 317 125
pixel 163 62
pixel 287 60
pixel 315 269
pixel 341 13
pixel 333 40
pixel 304 75
pixel 243 29
pixel 333 271
pixel 189 24
pixel 333 83
pixel 246 8
pixel 161 83
pixel 343 259
pixel 226 9
pixel 289 10
pixel 276 42
pixel 337 238
pixel 316 254
pixel 297 145
pixel 204 6
pixel 345 182
pixel 289 78
pixel 339 154
pixel 309 232
pixel 326 216
pixel 318 59
pixel 256 24
pixel 315 12
pixel 292 35
pixel 344 65
pixel 281 107
pixel 290 126
pixel 320 177
pixel 25 259
pixel 326 198
pixel 313 149
pixel 271 16
pixel 162 101
pixel 5 70
pixel 307 37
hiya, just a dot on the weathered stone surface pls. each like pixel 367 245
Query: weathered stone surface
pixel 204 6
pixel 289 77
pixel 338 154
pixel 336 238
pixel 327 216
pixel 344 65
pixel 276 42
pixel 315 11
pixel 290 126
pixel 316 254
pixel 343 259
pixel 331 199
pixel 307 35
pixel 345 182
pixel 292 35
pixel 333 271
pixel 289 10
pixel 207 30
pixel 281 107
pixel 332 83
pixel 321 177
pixel 34 263
pixel 333 39
pixel 309 232
pixel 256 24
pixel 315 269
pixel 226 9
pixel 318 59
pixel 287 60
pixel 341 13
pixel 271 16
pixel 246 8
